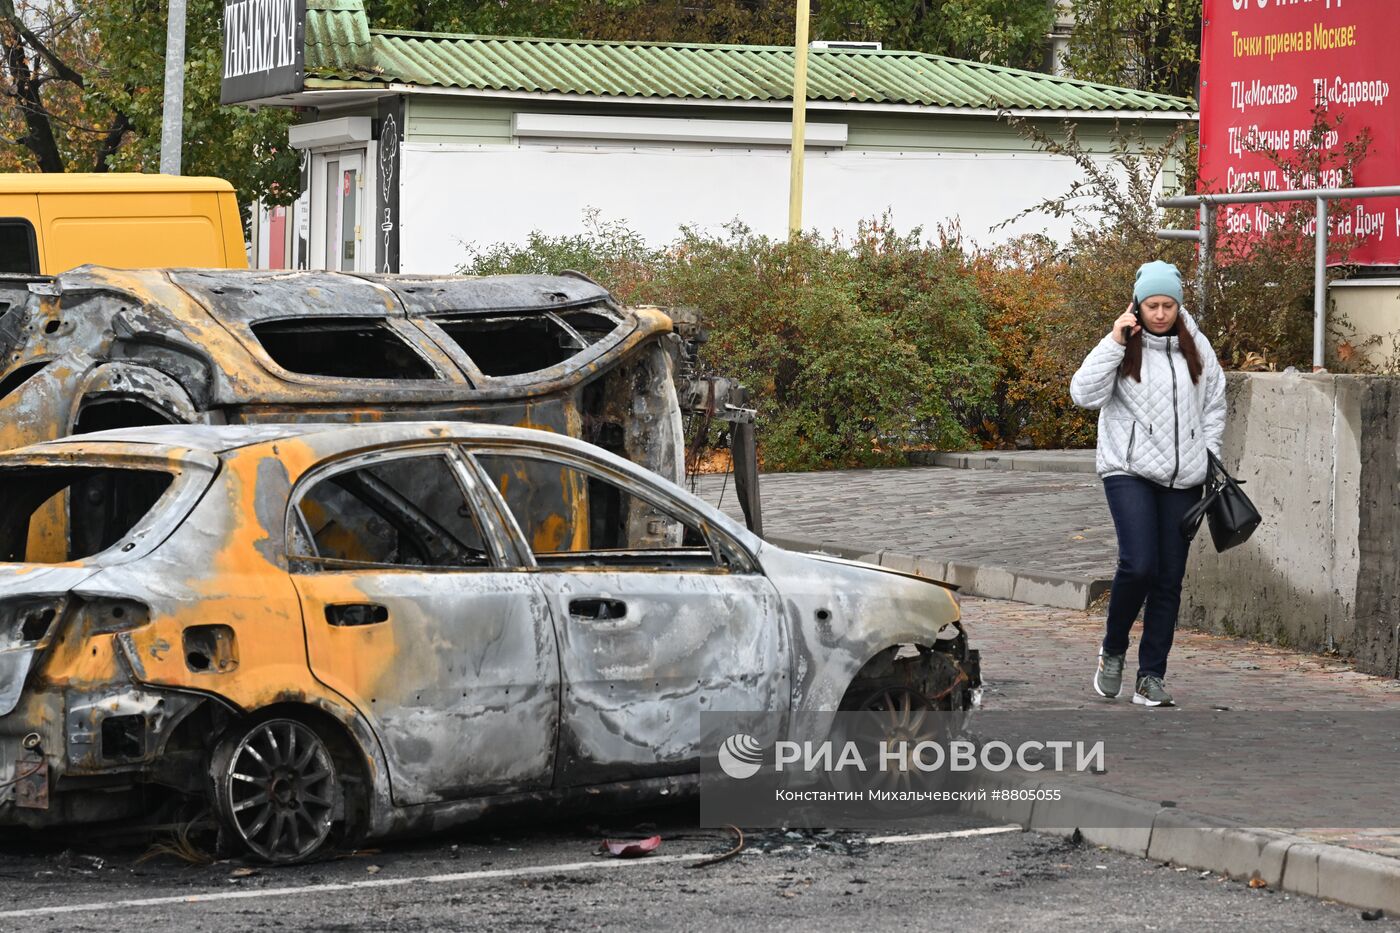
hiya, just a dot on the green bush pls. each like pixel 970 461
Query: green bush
pixel 858 350
pixel 854 351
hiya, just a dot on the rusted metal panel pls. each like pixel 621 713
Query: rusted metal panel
pixel 43 406
pixel 26 590
pixel 844 614
pixel 32 781
pixel 460 680
pixel 688 643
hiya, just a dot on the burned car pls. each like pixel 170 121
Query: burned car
pixel 95 349
pixel 335 632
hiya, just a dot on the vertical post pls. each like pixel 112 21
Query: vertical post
pixel 743 445
pixel 172 122
pixel 1320 287
pixel 799 117
pixel 1204 249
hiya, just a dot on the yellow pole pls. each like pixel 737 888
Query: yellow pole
pixel 799 118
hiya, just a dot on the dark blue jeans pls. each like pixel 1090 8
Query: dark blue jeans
pixel 1151 563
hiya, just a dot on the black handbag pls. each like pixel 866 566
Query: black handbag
pixel 1225 507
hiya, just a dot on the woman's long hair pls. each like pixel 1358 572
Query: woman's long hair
pixel 1132 356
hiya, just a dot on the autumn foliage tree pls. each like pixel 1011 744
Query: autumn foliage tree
pixel 53 120
pixel 84 84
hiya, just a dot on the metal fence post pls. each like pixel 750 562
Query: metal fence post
pixel 1205 248
pixel 1320 286
pixel 1207 204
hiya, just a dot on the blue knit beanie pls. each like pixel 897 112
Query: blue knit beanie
pixel 1157 278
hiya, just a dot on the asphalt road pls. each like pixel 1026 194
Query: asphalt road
pixel 549 877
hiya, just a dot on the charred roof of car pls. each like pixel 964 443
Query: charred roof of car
pixel 255 336
pixel 224 290
pixel 260 293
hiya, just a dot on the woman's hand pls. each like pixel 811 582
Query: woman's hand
pixel 1127 319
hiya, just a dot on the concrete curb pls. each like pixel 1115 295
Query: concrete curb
pixel 1029 461
pixel 1283 861
pixel 1044 588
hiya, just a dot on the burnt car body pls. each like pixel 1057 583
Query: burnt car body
pixel 96 349
pixel 332 632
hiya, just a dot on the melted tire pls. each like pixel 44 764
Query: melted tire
pixel 276 790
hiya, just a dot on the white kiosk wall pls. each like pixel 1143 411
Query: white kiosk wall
pixel 453 195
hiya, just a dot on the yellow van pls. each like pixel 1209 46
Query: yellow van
pixel 50 223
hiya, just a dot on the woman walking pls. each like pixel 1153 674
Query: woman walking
pixel 1160 394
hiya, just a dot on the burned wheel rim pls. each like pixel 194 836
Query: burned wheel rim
pixel 278 790
pixel 898 715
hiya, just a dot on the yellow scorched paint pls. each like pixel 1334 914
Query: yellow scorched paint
pixel 247 591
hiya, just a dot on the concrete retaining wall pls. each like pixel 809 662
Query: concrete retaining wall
pixel 1319 455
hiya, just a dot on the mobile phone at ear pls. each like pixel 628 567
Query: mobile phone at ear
pixel 1137 312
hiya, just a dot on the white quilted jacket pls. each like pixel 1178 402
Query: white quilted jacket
pixel 1159 428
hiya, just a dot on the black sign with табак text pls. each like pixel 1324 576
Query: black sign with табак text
pixel 264 49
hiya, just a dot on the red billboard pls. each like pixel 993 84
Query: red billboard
pixel 1265 64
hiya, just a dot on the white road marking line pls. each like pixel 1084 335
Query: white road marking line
pixel 352 885
pixel 929 837
pixel 484 875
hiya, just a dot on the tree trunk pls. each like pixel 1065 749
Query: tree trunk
pixel 38 138
pixel 111 142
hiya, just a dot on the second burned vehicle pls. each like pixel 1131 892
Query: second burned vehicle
pixel 95 349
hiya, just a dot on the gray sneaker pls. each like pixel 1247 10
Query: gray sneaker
pixel 1108 680
pixel 1152 692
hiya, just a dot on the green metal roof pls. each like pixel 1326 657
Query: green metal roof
pixel 340 47
pixel 337 38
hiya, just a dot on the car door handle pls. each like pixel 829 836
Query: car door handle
pixel 598 609
pixel 350 614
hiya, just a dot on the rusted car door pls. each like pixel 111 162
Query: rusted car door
pixel 660 618
pixel 414 613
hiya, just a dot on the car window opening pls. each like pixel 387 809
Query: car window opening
pixel 345 348
pixel 104 505
pixel 404 512
pixel 515 344
pixel 109 414
pixel 19 376
pixel 570 517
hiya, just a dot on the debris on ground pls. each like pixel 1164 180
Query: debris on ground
pixel 795 844
pixel 631 848
pixel 725 856
pixel 81 864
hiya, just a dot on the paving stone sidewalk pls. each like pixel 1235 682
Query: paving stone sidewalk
pixel 1040 658
pixel 1025 522
pixel 1037 657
